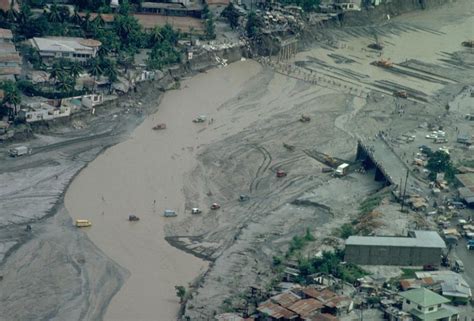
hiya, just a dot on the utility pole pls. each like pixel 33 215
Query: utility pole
pixel 405 190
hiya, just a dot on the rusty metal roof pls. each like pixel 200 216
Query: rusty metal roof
pixel 285 299
pixel 305 307
pixel 275 311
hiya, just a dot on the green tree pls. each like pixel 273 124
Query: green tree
pixel 11 94
pixel 58 70
pixel 232 15
pixel 54 15
pixel 210 26
pixel 254 23
pixel 75 70
pixel 66 84
pixel 439 162
pixel 180 292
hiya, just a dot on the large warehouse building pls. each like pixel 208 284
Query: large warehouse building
pixel 416 249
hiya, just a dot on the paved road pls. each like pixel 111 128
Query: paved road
pixel 467 257
pixel 391 164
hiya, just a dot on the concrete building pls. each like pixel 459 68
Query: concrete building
pixel 416 249
pixel 42 112
pixel 70 48
pixel 424 304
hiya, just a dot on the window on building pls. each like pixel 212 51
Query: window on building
pixel 430 308
pixel 65 54
pixel 408 302
pixel 419 307
pixel 439 305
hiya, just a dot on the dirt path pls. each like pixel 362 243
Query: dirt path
pixel 129 177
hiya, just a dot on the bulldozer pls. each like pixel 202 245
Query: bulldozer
pixel 329 160
pixel 384 63
pixel 289 147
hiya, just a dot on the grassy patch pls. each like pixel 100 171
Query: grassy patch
pixel 409 273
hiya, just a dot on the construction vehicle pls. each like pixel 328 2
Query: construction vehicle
pixel 83 223
pixel 305 119
pixel 196 210
pixel 401 94
pixel 133 218
pixel 469 43
pixel 289 147
pixel 243 198
pixel 329 160
pixel 376 45
pixel 169 213
pixel 280 173
pixel 159 126
pixel 384 63
pixel 18 151
pixel 200 119
pixel 215 206
pixel 342 170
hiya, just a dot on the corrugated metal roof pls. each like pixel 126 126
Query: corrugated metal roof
pixel 305 307
pixel 285 299
pixel 424 239
pixel 467 180
pixel 275 311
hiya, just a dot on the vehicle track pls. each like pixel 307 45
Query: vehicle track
pixel 267 159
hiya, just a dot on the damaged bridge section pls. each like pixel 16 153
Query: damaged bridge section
pixel 376 153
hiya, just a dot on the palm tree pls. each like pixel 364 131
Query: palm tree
pixel 11 94
pixel 57 71
pixel 54 15
pixel 76 18
pixel 111 73
pixel 95 69
pixel 75 70
pixel 66 84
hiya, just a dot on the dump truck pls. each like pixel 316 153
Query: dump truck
pixel 133 218
pixel 342 170
pixel 18 151
pixel 83 223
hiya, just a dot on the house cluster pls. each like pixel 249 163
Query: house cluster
pixel 10 61
pixel 447 283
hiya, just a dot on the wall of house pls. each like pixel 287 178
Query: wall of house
pixel 392 255
pixel 408 306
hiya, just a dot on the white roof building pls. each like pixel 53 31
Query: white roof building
pixel 78 49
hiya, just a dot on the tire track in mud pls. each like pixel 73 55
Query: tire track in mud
pixel 267 160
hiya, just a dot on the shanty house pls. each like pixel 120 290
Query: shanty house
pixel 417 249
pixel 424 304
pixel 270 311
pixel 70 48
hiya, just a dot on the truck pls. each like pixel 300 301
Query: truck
pixel 83 223
pixel 342 170
pixel 19 151
pixel 470 245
